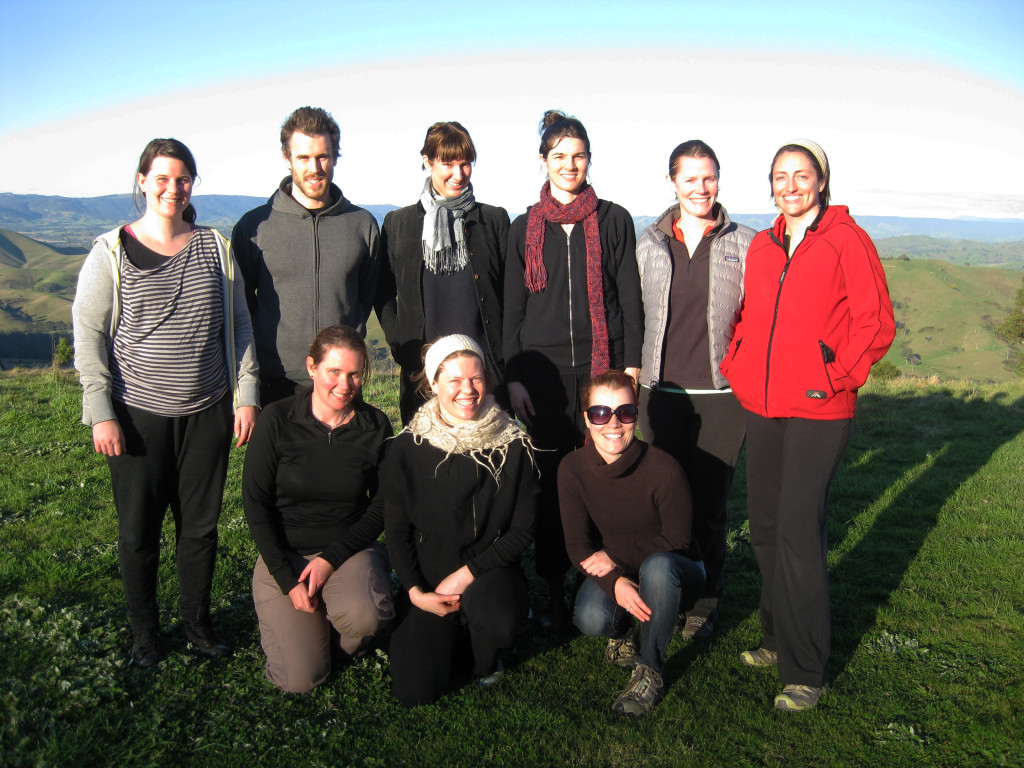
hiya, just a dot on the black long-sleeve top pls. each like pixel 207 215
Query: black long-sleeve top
pixel 443 513
pixel 556 321
pixel 310 489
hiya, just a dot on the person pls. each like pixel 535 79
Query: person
pixel 442 265
pixel 691 275
pixel 312 502
pixel 459 508
pixel 816 315
pixel 627 516
pixel 572 310
pixel 163 345
pixel 308 256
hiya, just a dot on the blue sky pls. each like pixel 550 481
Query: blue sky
pixel 891 90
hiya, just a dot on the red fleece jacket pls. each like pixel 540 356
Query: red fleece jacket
pixel 811 326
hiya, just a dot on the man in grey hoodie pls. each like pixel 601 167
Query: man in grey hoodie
pixel 308 256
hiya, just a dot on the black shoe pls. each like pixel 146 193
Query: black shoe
pixel 145 651
pixel 200 634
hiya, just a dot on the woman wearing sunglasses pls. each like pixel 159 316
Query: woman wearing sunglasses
pixel 626 513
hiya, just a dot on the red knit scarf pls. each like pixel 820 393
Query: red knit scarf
pixel 583 208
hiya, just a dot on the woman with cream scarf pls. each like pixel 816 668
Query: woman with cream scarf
pixel 460 501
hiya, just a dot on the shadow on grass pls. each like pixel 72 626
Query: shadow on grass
pixel 908 456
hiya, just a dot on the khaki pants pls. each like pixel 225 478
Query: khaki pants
pixel 355 600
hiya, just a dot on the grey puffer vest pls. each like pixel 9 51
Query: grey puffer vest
pixel 654 261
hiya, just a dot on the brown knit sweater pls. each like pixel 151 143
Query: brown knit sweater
pixel 631 508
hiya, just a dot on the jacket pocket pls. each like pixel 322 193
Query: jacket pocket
pixel 827 356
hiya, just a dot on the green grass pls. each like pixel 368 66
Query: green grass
pixel 928 648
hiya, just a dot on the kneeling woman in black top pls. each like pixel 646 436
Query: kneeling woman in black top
pixel 460 501
pixel 310 494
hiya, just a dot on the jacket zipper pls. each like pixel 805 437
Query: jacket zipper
pixel 568 262
pixel 316 274
pixel 473 498
pixel 775 315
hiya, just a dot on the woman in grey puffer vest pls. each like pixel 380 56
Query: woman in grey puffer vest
pixel 691 263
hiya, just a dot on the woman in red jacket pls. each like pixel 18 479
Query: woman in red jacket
pixel 816 315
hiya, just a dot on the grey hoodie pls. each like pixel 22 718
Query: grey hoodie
pixel 303 273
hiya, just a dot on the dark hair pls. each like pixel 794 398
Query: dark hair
pixel 311 121
pixel 420 377
pixel 787 148
pixel 173 149
pixel 339 337
pixel 691 148
pixel 611 380
pixel 555 126
pixel 448 142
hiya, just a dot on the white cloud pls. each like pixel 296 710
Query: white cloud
pixel 903 137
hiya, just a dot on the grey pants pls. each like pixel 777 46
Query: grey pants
pixel 355 600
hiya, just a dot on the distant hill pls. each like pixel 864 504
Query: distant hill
pixel 946 312
pixel 945 317
pixel 37 283
pixel 76 221
pixel 1008 255
pixel 879 227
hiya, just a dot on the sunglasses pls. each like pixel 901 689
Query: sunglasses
pixel 602 414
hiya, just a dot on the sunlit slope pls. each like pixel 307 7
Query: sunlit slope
pixel 946 315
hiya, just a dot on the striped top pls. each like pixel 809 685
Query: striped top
pixel 168 351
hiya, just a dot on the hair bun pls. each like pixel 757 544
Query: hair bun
pixel 551 117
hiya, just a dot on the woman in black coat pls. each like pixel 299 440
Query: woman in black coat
pixel 460 500
pixel 443 264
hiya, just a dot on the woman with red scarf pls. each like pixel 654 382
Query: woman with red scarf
pixel 572 311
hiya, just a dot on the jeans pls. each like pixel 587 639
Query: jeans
pixel 670 584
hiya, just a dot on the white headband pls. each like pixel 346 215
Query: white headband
pixel 815 149
pixel 445 346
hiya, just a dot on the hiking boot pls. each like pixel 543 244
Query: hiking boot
pixel 760 657
pixel 795 698
pixel 145 652
pixel 646 688
pixel 200 634
pixel 697 628
pixel 492 678
pixel 622 651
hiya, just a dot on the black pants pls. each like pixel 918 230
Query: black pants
pixel 557 430
pixel 704 433
pixel 180 463
pixel 424 645
pixel 790 466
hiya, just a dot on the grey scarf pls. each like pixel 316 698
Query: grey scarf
pixel 441 216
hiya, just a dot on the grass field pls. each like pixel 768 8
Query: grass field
pixel 927 544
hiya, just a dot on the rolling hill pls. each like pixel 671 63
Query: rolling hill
pixel 946 317
pixel 37 283
pixel 946 312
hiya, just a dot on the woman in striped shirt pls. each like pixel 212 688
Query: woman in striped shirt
pixel 164 347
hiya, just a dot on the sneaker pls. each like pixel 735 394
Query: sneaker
pixel 200 634
pixel 622 651
pixel 697 628
pixel 795 698
pixel 646 688
pixel 492 678
pixel 759 657
pixel 145 651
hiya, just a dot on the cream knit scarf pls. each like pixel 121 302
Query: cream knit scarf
pixel 485 440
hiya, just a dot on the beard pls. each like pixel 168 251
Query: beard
pixel 321 194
